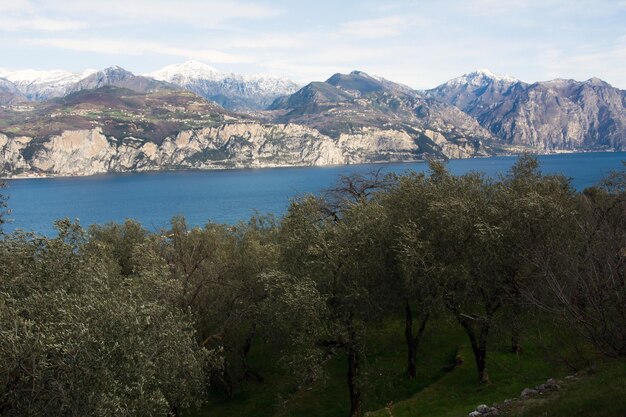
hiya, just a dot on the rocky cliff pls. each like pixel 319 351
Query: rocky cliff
pixel 112 129
pixel 9 94
pixel 230 145
pixel 392 121
pixel 545 116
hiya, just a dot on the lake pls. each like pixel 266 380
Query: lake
pixel 227 196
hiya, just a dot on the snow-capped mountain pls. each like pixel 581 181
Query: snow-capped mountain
pixel 481 77
pixel 232 91
pixel 42 85
pixel 9 94
pixel 119 77
pixel 475 91
pixel 186 73
pixel 549 115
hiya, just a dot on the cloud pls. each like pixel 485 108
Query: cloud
pixel 418 42
pixel 537 8
pixel 199 13
pixel 75 15
pixel 266 41
pixel 40 24
pixel 604 61
pixel 130 47
pixel 22 6
pixel 384 27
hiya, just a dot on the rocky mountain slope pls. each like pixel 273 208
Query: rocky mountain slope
pixel 118 77
pixel 117 111
pixel 410 124
pixel 230 145
pixel 9 93
pixel 42 85
pixel 232 91
pixel 113 120
pixel 546 116
pixel 112 129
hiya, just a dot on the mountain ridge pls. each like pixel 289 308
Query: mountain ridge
pixel 559 114
pixel 232 91
pixel 359 117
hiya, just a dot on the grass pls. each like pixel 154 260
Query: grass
pixel 437 391
pixel 386 361
pixel 457 393
pixel 600 394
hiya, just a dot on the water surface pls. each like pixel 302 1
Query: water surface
pixel 227 196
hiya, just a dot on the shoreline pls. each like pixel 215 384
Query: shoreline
pixel 221 168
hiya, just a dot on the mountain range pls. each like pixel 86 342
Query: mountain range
pixel 135 122
pixel 232 91
pixel 546 116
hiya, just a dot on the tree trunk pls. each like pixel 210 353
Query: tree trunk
pixel 222 381
pixel 479 346
pixel 412 341
pixel 480 354
pixel 516 343
pixel 174 412
pixel 516 325
pixel 245 350
pixel 356 400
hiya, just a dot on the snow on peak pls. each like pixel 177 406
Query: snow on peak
pixel 113 68
pixel 40 85
pixel 186 72
pixel 195 74
pixel 29 76
pixel 480 76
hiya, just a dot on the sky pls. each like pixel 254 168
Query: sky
pixel 420 43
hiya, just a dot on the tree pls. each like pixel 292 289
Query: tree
pixel 3 206
pixel 77 338
pixel 405 204
pixel 584 268
pixel 534 207
pixel 455 242
pixel 343 254
pixel 121 239
pixel 467 239
pixel 217 267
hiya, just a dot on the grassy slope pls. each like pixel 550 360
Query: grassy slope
pixel 457 393
pixel 329 396
pixel 601 394
pixel 437 392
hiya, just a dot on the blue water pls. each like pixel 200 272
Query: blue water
pixel 230 195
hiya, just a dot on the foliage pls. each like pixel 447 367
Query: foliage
pixel 584 268
pixel 3 206
pixel 77 338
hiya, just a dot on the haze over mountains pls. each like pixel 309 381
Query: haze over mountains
pixel 193 116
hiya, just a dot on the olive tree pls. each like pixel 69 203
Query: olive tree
pixel 217 267
pixel 583 268
pixel 417 293
pixel 3 206
pixel 469 238
pixel 121 239
pixel 78 338
pixel 534 208
pixel 343 254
